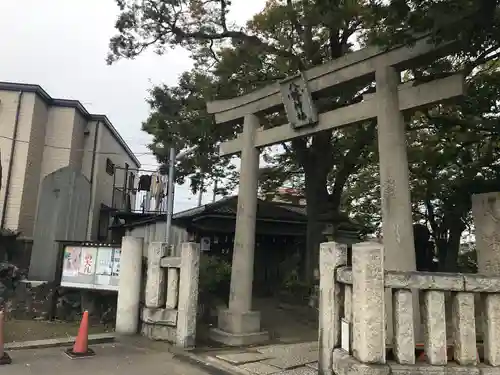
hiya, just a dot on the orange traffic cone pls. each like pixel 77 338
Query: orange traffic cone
pixel 4 357
pixel 81 349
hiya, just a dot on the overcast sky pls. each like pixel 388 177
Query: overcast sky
pixel 62 45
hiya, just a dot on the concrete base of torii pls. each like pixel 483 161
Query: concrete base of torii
pixel 238 328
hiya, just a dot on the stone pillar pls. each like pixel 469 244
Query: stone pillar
pixel 491 329
pixel 394 182
pixel 238 325
pixel 368 310
pixel 464 329
pixel 188 295
pixel 435 344
pixel 129 287
pixel 155 276
pixel 397 223
pixel 486 212
pixel 404 331
pixel 331 256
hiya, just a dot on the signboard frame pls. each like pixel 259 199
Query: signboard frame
pixel 89 265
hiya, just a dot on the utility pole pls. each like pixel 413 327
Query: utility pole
pixel 171 186
pixel 170 195
pixel 214 195
pixel 200 194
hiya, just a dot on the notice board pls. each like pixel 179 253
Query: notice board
pixel 91 266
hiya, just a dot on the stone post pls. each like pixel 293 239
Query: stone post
pixel 491 328
pixel 368 308
pixel 172 288
pixel 155 276
pixel 395 188
pixel 129 286
pixel 331 256
pixel 239 325
pixel 486 212
pixel 240 298
pixel 397 223
pixel 464 329
pixel 435 345
pixel 188 295
pixel 404 331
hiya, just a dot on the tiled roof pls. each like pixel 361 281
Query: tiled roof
pixel 266 210
pixel 228 206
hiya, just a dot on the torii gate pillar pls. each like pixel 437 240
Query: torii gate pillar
pixel 397 222
pixel 239 325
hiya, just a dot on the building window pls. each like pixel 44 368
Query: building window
pixel 110 167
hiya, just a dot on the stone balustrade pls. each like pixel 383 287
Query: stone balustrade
pixel 353 317
pixel 171 294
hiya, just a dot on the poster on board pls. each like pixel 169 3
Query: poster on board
pixel 117 252
pixel 104 261
pixel 87 261
pixel 91 267
pixel 72 261
pixel 104 265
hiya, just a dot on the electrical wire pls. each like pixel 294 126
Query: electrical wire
pixel 185 200
pixel 79 150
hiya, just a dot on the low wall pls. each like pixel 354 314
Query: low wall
pixel 354 321
pixel 171 294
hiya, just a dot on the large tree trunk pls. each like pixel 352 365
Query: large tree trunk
pixel 317 200
pixel 318 162
pixel 449 248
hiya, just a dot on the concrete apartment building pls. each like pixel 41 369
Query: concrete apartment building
pixel 40 135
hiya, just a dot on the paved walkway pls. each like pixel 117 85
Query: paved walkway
pixel 287 325
pixel 290 359
pixel 110 359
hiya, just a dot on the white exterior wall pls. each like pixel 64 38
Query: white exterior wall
pixel 58 140
pixel 31 185
pixel 8 110
pixel 78 141
pixel 50 138
pixel 108 147
pixel 88 146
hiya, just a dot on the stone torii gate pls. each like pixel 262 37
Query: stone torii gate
pixel 239 325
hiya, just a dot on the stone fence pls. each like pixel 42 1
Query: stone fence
pixel 170 295
pixel 362 331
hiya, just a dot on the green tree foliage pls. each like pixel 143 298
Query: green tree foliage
pixel 289 36
pixel 178 118
pixel 474 24
pixel 453 153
